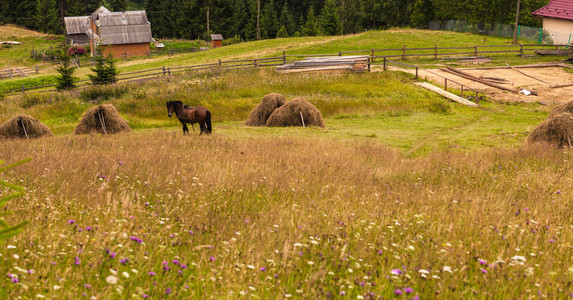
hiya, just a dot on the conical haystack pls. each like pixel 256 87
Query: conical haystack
pixel 562 108
pixel 556 130
pixel 104 119
pixel 24 127
pixel 294 113
pixel 260 114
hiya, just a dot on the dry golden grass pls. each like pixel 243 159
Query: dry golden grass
pixel 10 31
pixel 217 216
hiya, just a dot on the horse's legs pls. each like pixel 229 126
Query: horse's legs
pixel 202 127
pixel 185 129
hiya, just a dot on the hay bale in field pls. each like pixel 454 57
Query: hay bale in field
pixel 562 108
pixel 24 127
pixel 556 130
pixel 290 114
pixel 104 119
pixel 261 113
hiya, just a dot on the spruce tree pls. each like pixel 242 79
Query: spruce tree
pixel 282 33
pixel 66 80
pixel 104 69
pixel 286 20
pixel 329 21
pixel 269 21
pixel 310 28
pixel 47 18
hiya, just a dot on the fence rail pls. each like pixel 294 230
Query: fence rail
pixel 374 54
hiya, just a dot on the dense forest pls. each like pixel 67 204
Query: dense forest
pixel 196 19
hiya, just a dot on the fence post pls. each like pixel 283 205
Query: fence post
pixel 404 52
pixel 284 57
pixel 163 70
pixel 521 50
pixel 436 52
pixel 339 53
pixel 476 50
pixel 384 63
pixel 540 34
pixel 169 71
pixel 219 62
pixel 369 64
pixel 477 97
pixel 446 84
pixel 36 68
pixel 23 89
pixel 372 55
pixel 255 63
pixel 416 73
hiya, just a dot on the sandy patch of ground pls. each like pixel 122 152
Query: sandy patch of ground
pixel 515 80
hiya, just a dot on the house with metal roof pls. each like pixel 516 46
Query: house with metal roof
pixel 121 34
pixel 557 20
pixel 76 28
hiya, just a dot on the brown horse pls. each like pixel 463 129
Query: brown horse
pixel 186 114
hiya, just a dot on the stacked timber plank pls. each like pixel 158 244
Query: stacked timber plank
pixel 357 64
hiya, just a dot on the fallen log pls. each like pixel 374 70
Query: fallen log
pixel 476 79
pixel 530 76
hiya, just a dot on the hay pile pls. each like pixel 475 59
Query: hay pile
pixel 260 114
pixel 556 130
pixel 24 127
pixel 563 108
pixel 103 119
pixel 290 115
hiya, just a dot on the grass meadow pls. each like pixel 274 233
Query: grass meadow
pixel 403 195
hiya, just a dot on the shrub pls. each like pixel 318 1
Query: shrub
pixel 75 50
pixel 102 93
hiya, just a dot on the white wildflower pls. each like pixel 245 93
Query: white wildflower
pixel 111 279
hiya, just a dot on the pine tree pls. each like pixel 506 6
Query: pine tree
pixel 269 21
pixel 66 80
pixel 329 21
pixel 104 69
pixel 286 20
pixel 282 33
pixel 310 27
pixel 47 18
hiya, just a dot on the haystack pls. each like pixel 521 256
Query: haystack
pixel 104 119
pixel 556 130
pixel 294 113
pixel 24 127
pixel 562 108
pixel 260 114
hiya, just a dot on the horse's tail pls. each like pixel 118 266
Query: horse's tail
pixel 209 129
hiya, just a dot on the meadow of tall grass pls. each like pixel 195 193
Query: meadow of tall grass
pixel 154 214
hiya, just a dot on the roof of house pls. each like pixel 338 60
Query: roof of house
pixel 113 28
pixel 77 25
pixel 216 37
pixel 558 9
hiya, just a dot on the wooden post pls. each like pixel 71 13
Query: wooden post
pixel 372 54
pixel 23 89
pixel 163 70
pixel 436 52
pixel 477 97
pixel 284 57
pixel 339 53
pixel 416 73
pixel 521 50
pixel 302 119
pixel 404 52
pixel 255 63
pixel 169 71
pixel 384 63
pixel 476 50
pixel 219 62
pixel 369 64
pixel 446 84
pixel 37 69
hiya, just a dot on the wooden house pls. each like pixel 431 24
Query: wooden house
pixel 76 31
pixel 121 34
pixel 557 20
pixel 217 40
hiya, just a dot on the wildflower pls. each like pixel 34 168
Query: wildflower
pixel 125 274
pixel 77 261
pixel 88 228
pixel 551 240
pixel 71 221
pixel 151 273
pixel 123 261
pixel 212 258
pixel 342 293
pixel 144 296
pixel 11 247
pixel 175 262
pixel 111 279
pixel 183 266
pixel 398 292
pixel 167 291
pixel 483 271
pixel 396 272
pixel 15 279
pixel 87 286
pixel 482 262
pixel 408 290
pixel 262 269
pixel 120 162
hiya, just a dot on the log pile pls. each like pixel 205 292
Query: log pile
pixel 357 64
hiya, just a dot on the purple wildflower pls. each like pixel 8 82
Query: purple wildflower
pixel 183 266
pixel 112 254
pixel 71 221
pixel 262 269
pixel 175 262
pixel 151 273
pixel 167 291
pixel 87 285
pixel 398 292
pixel 482 262
pixel 551 240
pixel 15 279
pixel 408 290
pixel 121 162
pixel 483 271
pixel 123 261
pixel 396 272
pixel 77 261
pixel 144 296
pixel 88 228
pixel 212 258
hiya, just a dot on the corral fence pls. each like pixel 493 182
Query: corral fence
pixel 534 34
pixel 374 55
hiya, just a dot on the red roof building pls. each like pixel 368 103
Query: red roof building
pixel 557 20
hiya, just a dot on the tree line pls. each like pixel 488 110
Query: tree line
pixel 253 19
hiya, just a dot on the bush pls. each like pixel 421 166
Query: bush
pixel 102 93
pixel 76 50
pixel 234 40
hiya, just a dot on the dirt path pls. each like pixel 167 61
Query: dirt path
pixel 514 79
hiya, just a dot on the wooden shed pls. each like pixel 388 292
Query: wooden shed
pixel 76 30
pixel 217 40
pixel 122 34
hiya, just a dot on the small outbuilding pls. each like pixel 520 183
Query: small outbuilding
pixel 557 20
pixel 217 40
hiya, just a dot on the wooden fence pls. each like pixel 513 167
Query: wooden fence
pixel 374 55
